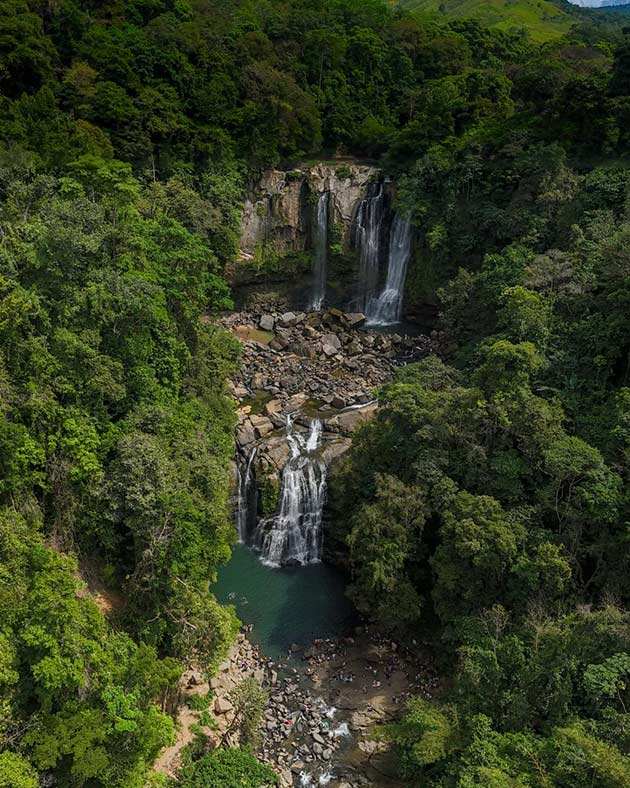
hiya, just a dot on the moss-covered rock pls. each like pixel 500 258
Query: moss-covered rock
pixel 269 495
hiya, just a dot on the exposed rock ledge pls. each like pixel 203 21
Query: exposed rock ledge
pixel 277 213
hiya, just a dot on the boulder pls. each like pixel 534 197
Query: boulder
pixel 258 380
pixel 263 429
pixel 288 319
pixel 195 678
pixel 303 349
pixel 222 706
pixel 276 450
pixel 335 448
pixel 245 434
pixel 369 747
pixel 351 420
pixel 296 401
pixel 273 407
pixel 240 391
pixel 329 350
pixel 262 426
pixel 286 778
pixel 331 339
pixel 359 721
pixel 354 319
pixel 267 322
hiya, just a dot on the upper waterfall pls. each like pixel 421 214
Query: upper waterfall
pixel 367 237
pixel 387 308
pixel 320 253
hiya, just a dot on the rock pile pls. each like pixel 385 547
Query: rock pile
pixel 299 733
pixel 321 365
pixel 323 358
pixel 367 677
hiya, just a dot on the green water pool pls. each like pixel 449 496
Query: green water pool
pixel 285 606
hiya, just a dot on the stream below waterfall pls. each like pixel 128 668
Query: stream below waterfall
pixel 335 680
pixel 331 679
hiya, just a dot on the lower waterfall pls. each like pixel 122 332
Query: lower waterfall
pixel 320 254
pixel 294 534
pixel 387 308
pixel 246 491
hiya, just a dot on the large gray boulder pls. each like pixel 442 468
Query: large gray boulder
pixel 245 434
pixel 222 706
pixel 331 339
pixel 267 322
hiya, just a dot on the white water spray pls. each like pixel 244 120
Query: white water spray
pixel 342 730
pixel 245 481
pixel 320 257
pixel 294 535
pixel 367 238
pixel 387 308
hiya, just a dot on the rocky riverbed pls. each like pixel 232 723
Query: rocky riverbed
pixel 321 365
pixel 325 358
pixel 325 704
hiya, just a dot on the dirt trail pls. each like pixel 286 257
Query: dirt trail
pixel 169 760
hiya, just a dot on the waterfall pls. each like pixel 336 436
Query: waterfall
pixel 294 534
pixel 245 489
pixel 386 309
pixel 321 253
pixel 367 238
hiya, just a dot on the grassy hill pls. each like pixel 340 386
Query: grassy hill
pixel 543 19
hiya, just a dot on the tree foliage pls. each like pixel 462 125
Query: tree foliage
pixel 488 498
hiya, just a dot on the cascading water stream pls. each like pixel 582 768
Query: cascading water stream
pixel 320 258
pixel 367 238
pixel 387 308
pixel 245 489
pixel 294 534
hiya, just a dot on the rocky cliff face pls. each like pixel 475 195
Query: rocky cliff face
pixel 277 214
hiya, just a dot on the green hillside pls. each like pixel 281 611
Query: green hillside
pixel 544 20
